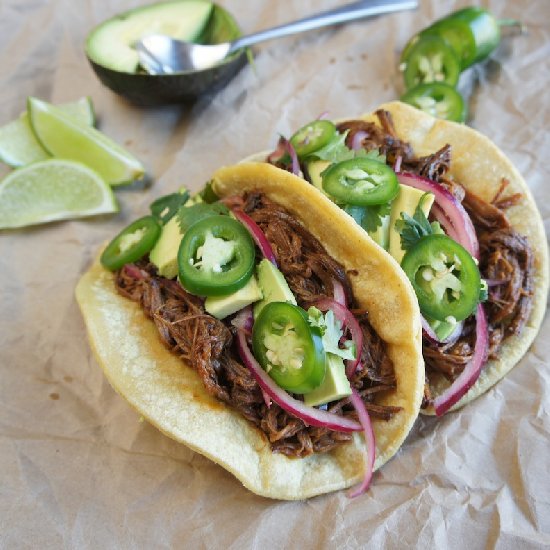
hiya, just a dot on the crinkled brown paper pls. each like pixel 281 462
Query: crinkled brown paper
pixel 77 467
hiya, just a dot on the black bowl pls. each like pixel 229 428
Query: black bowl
pixel 144 89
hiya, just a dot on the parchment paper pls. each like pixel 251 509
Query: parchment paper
pixel 77 467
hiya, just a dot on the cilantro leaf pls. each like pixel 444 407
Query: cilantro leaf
pixel 373 154
pixel 165 208
pixel 369 217
pixel 413 229
pixel 335 150
pixel 374 215
pixel 331 330
pixel 188 215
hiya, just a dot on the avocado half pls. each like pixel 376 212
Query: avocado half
pixel 144 89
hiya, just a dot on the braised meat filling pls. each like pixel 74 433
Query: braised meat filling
pixel 506 256
pixel 206 344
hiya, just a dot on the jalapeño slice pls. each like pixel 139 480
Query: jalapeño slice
pixel 444 276
pixel 288 348
pixel 431 60
pixel 131 244
pixel 215 257
pixel 312 137
pixel 360 182
pixel 437 99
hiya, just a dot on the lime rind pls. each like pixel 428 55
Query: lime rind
pixel 81 110
pixel 52 190
pixel 65 138
pixel 18 144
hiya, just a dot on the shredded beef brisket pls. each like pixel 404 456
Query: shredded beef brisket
pixel 506 257
pixel 507 265
pixel 206 343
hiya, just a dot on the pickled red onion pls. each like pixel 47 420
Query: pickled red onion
pixel 458 218
pixel 257 234
pixel 309 415
pixel 470 374
pixel 370 442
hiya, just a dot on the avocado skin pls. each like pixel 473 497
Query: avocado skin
pixel 151 90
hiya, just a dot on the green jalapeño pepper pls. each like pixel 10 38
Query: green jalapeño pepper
pixel 484 31
pixel 444 276
pixel 360 182
pixel 216 257
pixel 312 137
pixel 288 348
pixel 473 33
pixel 131 243
pixel 437 99
pixel 431 60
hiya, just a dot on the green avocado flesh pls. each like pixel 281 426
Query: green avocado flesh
pixel 111 43
pixel 108 54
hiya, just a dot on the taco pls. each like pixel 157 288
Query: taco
pixel 480 202
pixel 189 372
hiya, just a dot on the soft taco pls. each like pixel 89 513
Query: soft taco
pixel 449 185
pixel 190 366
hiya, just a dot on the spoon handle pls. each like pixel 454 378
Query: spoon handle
pixel 349 12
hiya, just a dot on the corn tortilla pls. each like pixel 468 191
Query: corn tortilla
pixel 171 396
pixel 479 165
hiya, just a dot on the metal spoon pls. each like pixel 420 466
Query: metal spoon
pixel 160 54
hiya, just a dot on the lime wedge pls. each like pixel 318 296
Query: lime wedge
pixel 18 145
pixel 81 110
pixel 53 189
pixel 64 138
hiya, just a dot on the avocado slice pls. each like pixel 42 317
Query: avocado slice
pixel 111 43
pixel 314 169
pixel 334 386
pixel 274 286
pixel 124 77
pixel 223 306
pixel 406 201
pixel 165 252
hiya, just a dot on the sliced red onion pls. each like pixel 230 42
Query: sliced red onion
pixel 283 147
pixel 397 164
pixel 346 317
pixel 496 282
pixel 309 415
pixel 357 141
pixel 444 221
pixel 471 372
pixel 370 441
pixel 244 319
pixel 428 330
pixel 452 208
pixel 339 293
pixel 279 152
pixel 430 334
pixel 323 115
pixel 292 152
pixel 257 234
pixel 135 272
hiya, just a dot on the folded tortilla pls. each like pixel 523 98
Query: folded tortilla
pixel 170 395
pixel 479 165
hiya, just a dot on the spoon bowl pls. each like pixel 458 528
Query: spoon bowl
pixel 160 54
